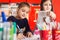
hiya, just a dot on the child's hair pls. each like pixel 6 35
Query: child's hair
pixel 22 4
pixel 43 2
pixel 0 5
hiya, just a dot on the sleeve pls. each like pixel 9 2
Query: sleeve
pixel 10 18
pixel 27 26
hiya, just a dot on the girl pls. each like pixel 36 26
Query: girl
pixel 46 5
pixel 21 21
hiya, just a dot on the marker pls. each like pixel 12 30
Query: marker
pixel 1 31
pixel 3 17
pixel 39 27
pixel 20 30
pixel 14 38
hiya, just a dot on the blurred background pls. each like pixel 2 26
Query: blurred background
pixel 10 8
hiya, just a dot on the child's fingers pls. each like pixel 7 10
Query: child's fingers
pixel 29 34
pixel 20 36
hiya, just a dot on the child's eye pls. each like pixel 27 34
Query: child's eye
pixel 45 4
pixel 49 4
pixel 23 10
pixel 27 12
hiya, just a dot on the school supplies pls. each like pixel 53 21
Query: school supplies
pixel 3 17
pixel 7 31
pixel 1 31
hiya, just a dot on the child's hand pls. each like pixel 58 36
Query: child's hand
pixel 20 36
pixel 29 34
pixel 23 29
pixel 53 15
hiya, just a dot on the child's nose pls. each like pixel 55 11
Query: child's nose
pixel 24 13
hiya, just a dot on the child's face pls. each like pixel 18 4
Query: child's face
pixel 23 12
pixel 47 6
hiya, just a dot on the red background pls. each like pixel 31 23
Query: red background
pixel 56 7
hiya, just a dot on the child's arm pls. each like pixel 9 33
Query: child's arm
pixel 11 18
pixel 28 31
